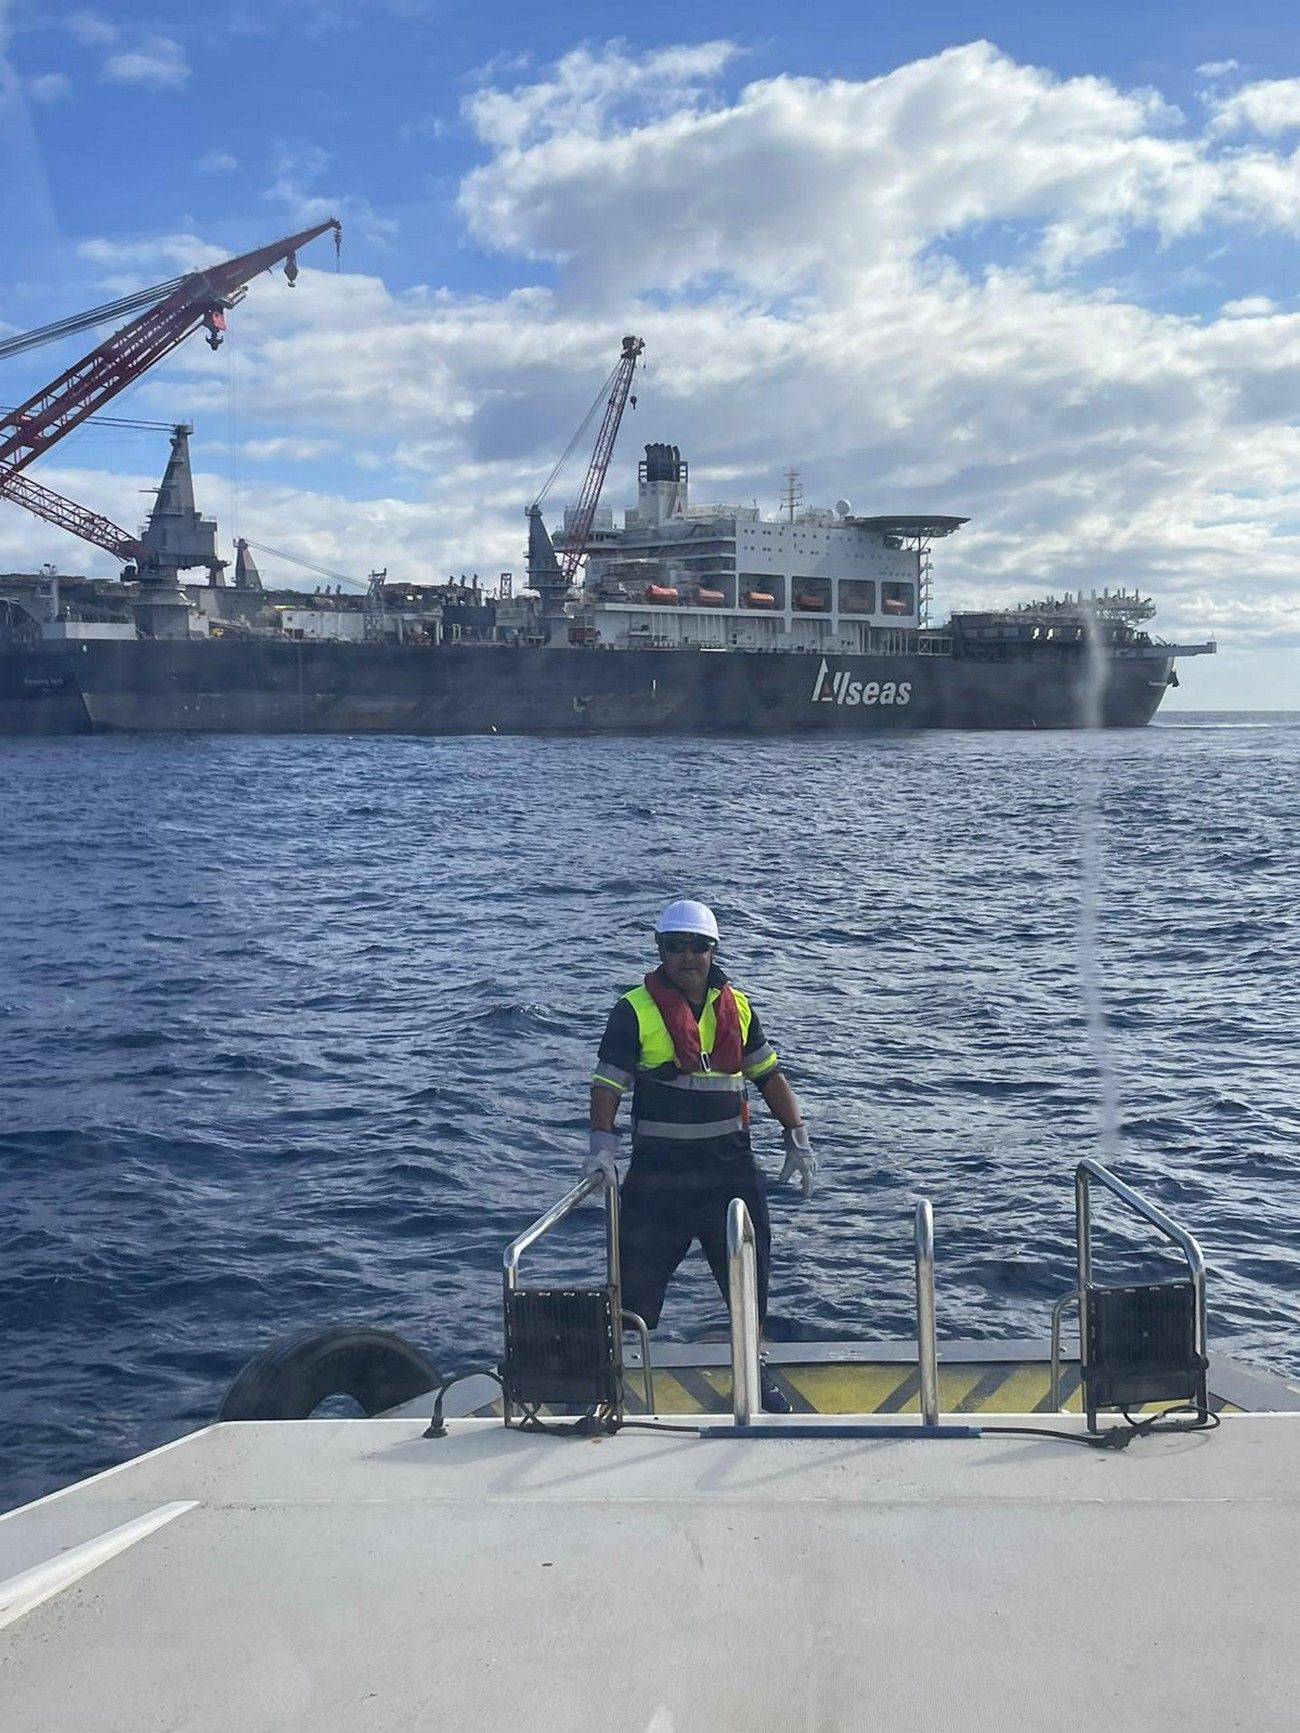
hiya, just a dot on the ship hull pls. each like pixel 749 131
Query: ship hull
pixel 274 687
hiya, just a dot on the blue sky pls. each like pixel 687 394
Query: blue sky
pixel 1031 265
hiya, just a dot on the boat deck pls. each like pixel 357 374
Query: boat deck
pixel 344 1575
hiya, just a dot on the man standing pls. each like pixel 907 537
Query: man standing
pixel 686 1042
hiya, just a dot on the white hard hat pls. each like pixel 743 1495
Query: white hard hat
pixel 688 917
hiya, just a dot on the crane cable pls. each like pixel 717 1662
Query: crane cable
pixel 602 396
pixel 307 565
pixel 83 321
pixel 231 423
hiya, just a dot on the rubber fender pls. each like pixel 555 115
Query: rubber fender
pixel 290 1379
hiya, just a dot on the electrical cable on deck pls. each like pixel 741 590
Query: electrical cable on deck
pixel 437 1427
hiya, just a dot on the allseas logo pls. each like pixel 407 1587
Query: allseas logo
pixel 840 688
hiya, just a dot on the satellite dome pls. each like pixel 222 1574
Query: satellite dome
pixel 842 508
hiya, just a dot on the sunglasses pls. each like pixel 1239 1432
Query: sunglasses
pixel 676 944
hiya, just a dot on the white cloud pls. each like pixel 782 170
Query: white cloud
pixel 1270 107
pixel 128 265
pixel 49 87
pixel 1217 68
pixel 1248 307
pixel 293 450
pixel 588 89
pixel 296 168
pixel 90 28
pixel 798 177
pixel 215 162
pixel 157 61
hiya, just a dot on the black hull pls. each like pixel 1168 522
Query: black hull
pixel 233 687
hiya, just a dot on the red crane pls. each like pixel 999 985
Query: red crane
pixel 546 573
pixel 200 299
pixel 91 526
pixel 576 533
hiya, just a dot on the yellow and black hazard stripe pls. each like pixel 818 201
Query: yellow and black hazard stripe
pixel 866 1387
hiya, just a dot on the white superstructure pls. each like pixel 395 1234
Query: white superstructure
pixel 724 577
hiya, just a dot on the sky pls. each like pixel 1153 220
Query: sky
pixel 1029 265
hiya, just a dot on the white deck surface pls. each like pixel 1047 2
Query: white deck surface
pixel 349 1574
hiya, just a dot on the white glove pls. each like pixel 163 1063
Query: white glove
pixel 603 1147
pixel 799 1158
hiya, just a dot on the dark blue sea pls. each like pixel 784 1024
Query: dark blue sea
pixel 298 1031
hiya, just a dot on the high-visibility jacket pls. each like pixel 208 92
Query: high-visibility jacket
pixel 673 1111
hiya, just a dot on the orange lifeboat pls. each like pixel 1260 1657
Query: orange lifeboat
pixel 759 599
pixel 710 598
pixel 810 604
pixel 892 605
pixel 660 593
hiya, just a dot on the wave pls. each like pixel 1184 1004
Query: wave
pixel 356 1064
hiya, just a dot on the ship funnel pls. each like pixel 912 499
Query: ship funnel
pixel 661 485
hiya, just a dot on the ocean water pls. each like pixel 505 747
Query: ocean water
pixel 298 1031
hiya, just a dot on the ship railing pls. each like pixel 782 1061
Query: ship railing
pixel 742 1294
pixel 1086 1174
pixel 927 1347
pixel 586 1187
pixel 907 641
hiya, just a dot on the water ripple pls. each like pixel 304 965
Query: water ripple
pixel 298 1031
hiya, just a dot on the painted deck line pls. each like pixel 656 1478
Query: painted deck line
pixel 30 1587
pixel 103 1475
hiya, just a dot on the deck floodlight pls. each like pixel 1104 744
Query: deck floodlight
pixel 1141 1346
pixel 1138 1343
pixel 564 1345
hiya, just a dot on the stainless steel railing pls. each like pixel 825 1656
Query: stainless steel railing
pixel 584 1189
pixel 927 1349
pixel 742 1286
pixel 1087 1171
pixel 742 1290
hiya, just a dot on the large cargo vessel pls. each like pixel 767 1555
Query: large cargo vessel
pixel 691 619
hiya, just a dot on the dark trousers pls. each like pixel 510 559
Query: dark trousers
pixel 665 1205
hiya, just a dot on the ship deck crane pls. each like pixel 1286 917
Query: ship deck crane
pixel 177 309
pixel 552 576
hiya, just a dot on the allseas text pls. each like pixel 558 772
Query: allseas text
pixel 841 688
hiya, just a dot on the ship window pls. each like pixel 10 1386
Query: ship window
pixel 897 598
pixel 810 595
pixel 757 584
pixel 857 596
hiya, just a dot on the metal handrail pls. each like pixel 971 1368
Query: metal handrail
pixel 1073 1298
pixel 585 1188
pixel 927 1350
pixel 742 1291
pixel 1089 1170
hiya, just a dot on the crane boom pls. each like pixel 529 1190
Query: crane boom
pixel 91 526
pixel 575 545
pixel 201 298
